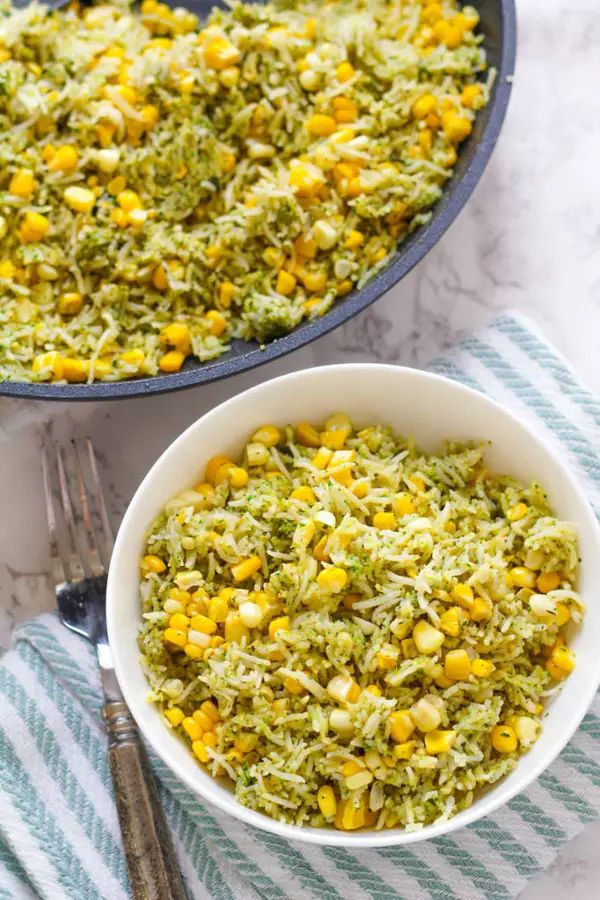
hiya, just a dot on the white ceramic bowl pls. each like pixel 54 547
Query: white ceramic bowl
pixel 432 409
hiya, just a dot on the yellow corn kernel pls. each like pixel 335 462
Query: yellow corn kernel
pixel 153 564
pixel 354 240
pixel 149 115
pixel 210 709
pixel 282 623
pixel 129 200
pixel 178 336
pixel 375 690
pixel 116 185
pixel 213 465
pixel 22 183
pixel 471 96
pixel 235 630
pixel 321 125
pixel 65 159
pixel 280 706
pixel 402 725
pixel 563 614
pixel 305 178
pixel 7 269
pixel 209 739
pixel 218 609
pixel 171 361
pixel 314 281
pixel 563 659
pixel 199 748
pixel 516 512
pixel 226 293
pixel 267 435
pixel 384 521
pixel 439 741
pixel 403 505
pixel 203 624
pixel 179 621
pixel 360 489
pixel 479 611
pixel 426 714
pixel 285 283
pixel 504 739
pixel 326 800
pixel 70 304
pixel 245 569
pixel 218 322
pixel 293 686
pixel 305 247
pixel 456 128
pixel 51 361
pixel 431 13
pixel 75 370
pixel 238 477
pixel 424 106
pixel 173 636
pixel 179 595
pixel 405 750
pixel 303 493
pixel 307 435
pixel 105 133
pixel 34 227
pixel 344 72
pixel 343 689
pixel 334 439
pixel 463 595
pixel 175 716
pixel 348 817
pixel 193 651
pixel 192 728
pixel 358 780
pixel 428 639
pixel 332 580
pixel 450 621
pixel 220 54
pixel 159 278
pixel 457 665
pixel 387 658
pixel 322 458
pixel 523 577
pixel 482 668
pixel 547 581
pixel 274 257
pixel 346 115
pixel 120 217
pixel 79 199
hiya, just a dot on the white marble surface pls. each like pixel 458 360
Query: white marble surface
pixel 528 239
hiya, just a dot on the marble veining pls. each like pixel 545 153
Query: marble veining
pixel 528 239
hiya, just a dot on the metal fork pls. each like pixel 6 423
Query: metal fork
pixel 81 543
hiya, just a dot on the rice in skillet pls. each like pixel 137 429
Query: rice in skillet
pixel 164 189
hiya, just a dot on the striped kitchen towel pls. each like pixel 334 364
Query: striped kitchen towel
pixel 59 836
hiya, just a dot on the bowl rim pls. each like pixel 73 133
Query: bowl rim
pixel 490 801
pixel 444 212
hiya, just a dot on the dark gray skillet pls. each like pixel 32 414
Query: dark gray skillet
pixel 498 24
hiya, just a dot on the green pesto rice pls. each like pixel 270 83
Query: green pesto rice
pixel 234 180
pixel 355 631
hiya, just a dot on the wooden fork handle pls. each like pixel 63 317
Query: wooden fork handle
pixel 154 871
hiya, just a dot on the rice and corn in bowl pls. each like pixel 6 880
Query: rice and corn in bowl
pixel 352 631
pixel 167 187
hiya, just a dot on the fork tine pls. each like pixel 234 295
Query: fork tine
pixel 79 563
pixel 91 544
pixel 60 567
pixel 98 495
